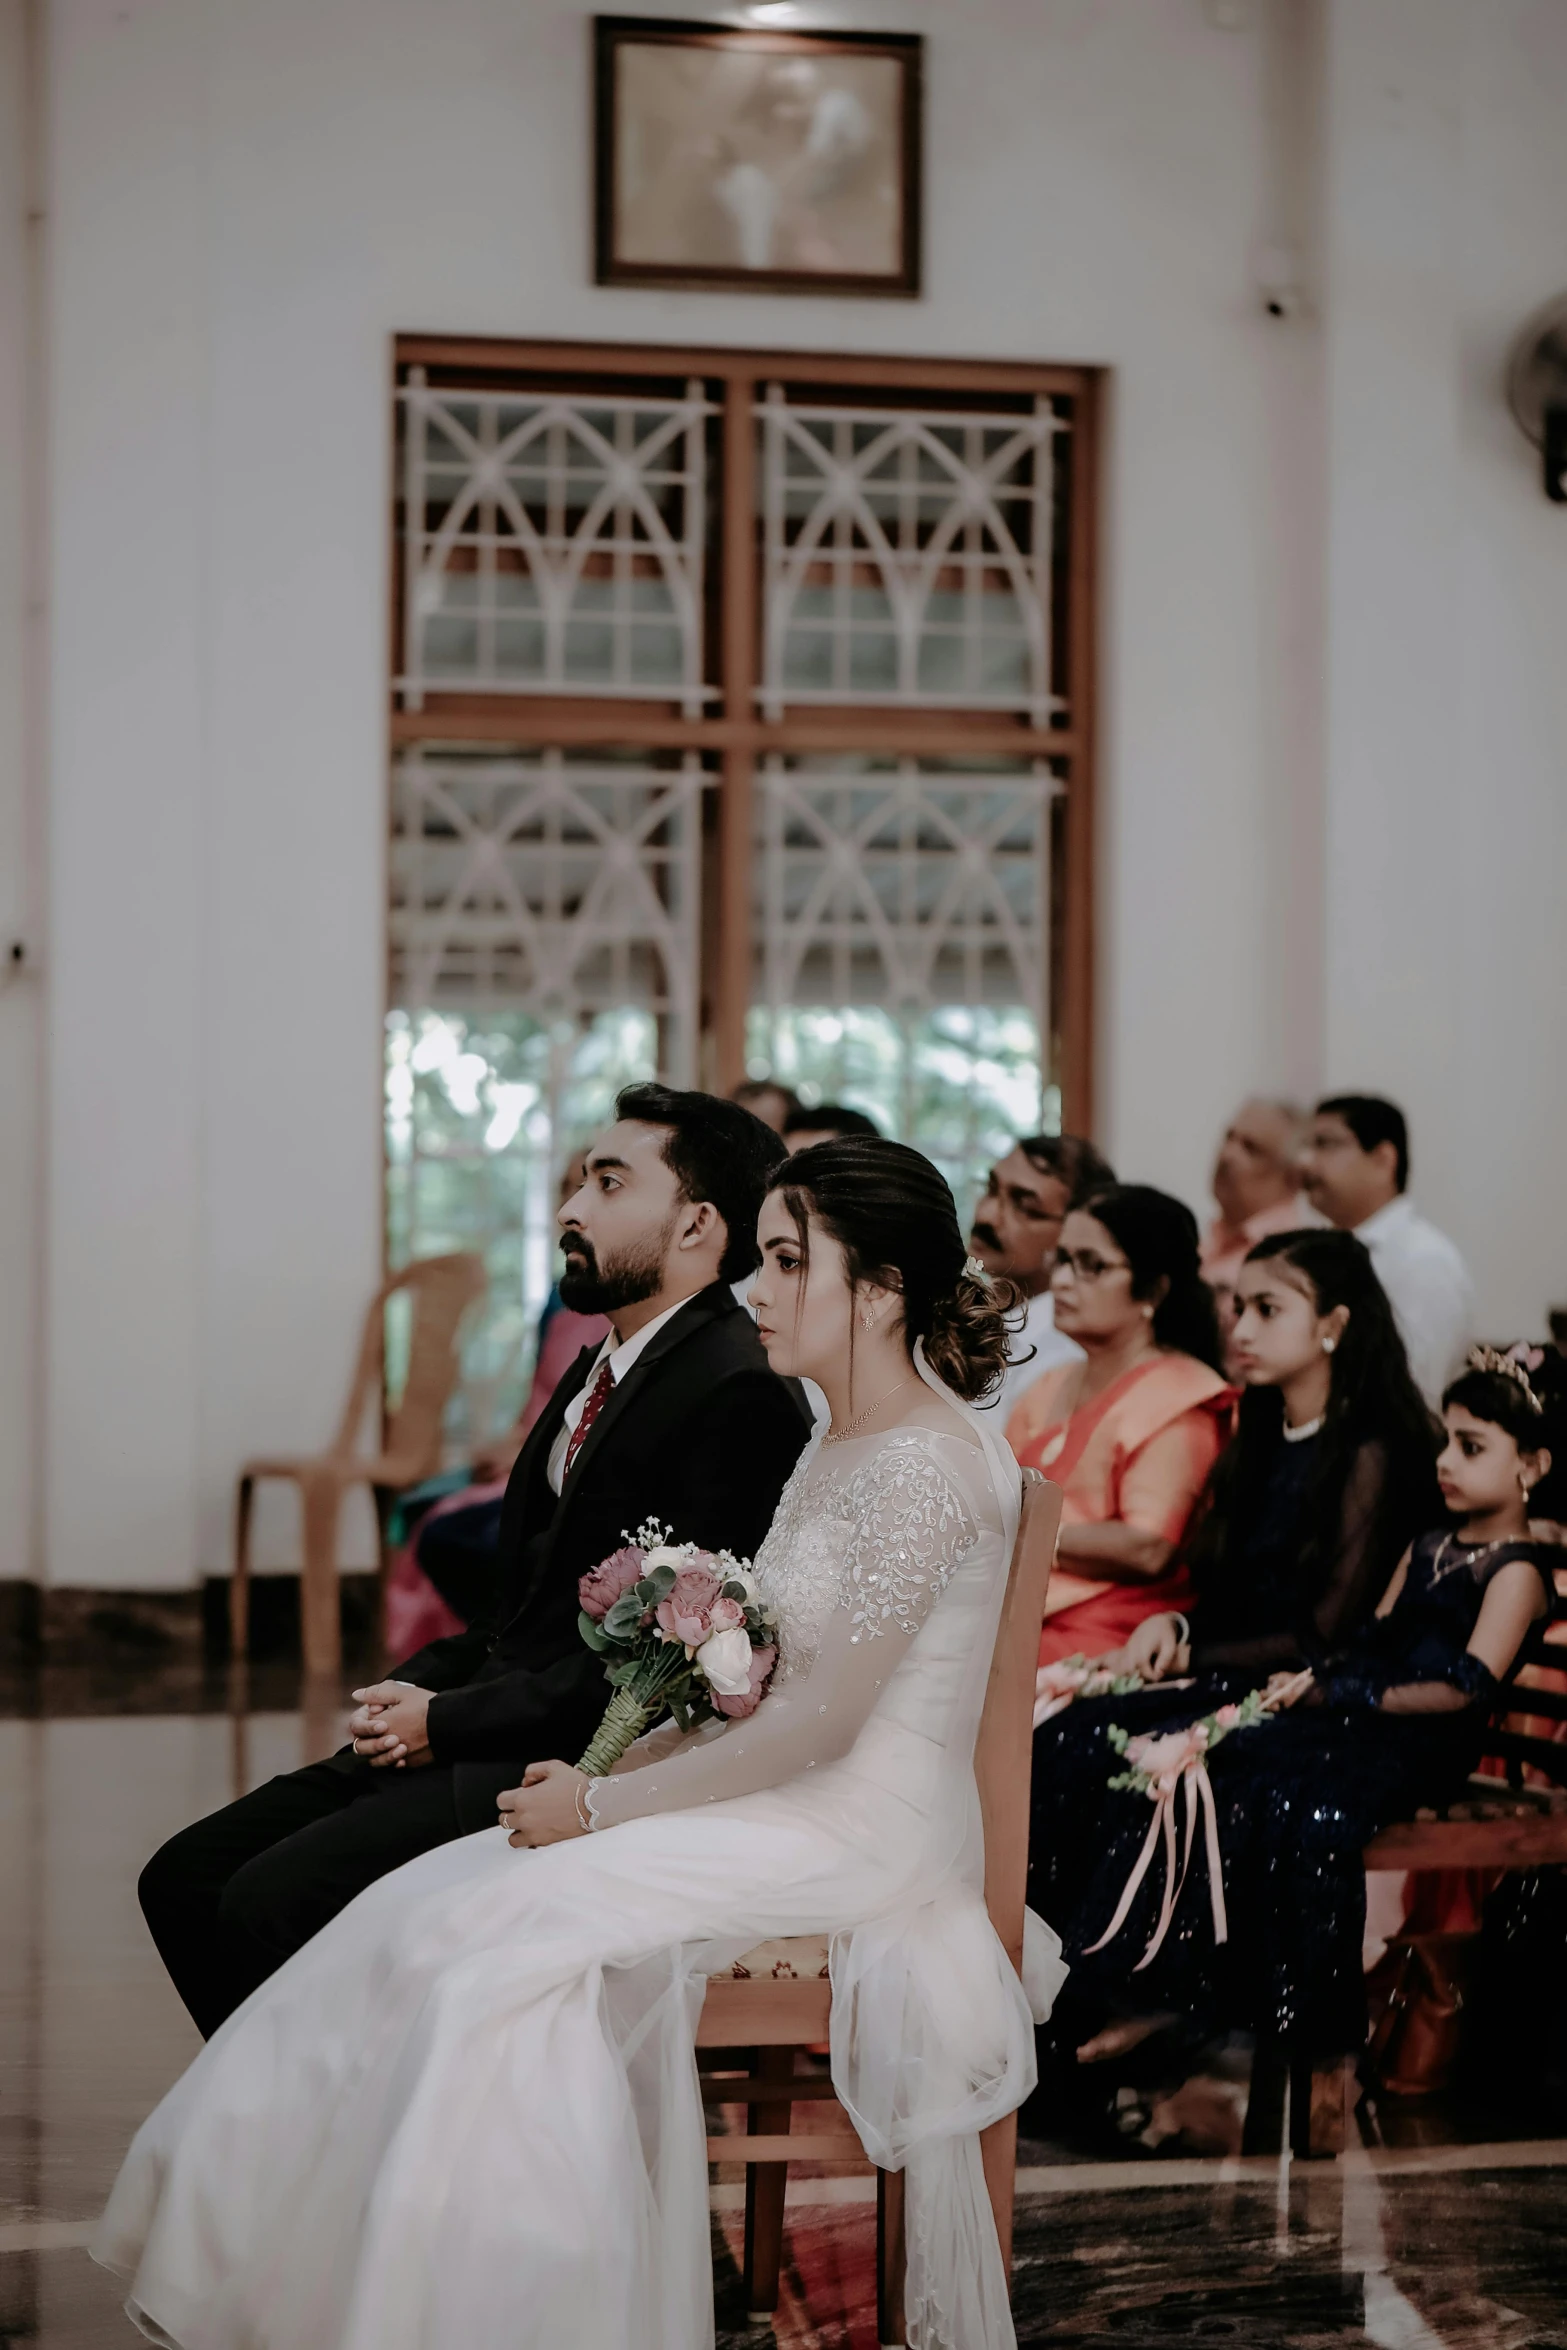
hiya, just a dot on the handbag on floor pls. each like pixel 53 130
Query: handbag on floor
pixel 1414 2044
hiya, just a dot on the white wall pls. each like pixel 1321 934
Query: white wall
pixel 249 202
pixel 1447 588
pixel 20 1107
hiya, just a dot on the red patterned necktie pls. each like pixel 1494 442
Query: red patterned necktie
pixel 598 1396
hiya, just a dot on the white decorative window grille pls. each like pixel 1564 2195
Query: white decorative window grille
pixel 548 882
pixel 904 932
pixel 907 557
pixel 544 944
pixel 553 543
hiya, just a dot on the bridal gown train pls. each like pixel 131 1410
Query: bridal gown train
pixel 468 2112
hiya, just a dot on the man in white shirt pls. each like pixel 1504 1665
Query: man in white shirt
pixel 618 1355
pixel 1016 1227
pixel 1354 1168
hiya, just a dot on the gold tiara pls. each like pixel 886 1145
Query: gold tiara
pixel 1511 1364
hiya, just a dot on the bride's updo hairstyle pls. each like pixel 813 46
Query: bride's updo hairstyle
pixel 894 1217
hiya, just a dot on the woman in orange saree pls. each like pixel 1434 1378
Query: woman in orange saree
pixel 1131 1434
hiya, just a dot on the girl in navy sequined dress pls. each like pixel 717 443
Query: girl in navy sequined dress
pixel 1393 1719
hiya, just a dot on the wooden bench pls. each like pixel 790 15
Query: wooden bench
pixel 1515 1819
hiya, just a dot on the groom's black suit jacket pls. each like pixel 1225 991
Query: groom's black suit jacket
pixel 701 1435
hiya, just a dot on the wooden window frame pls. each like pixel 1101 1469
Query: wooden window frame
pixel 733 735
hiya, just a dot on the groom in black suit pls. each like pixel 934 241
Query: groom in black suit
pixel 676 1417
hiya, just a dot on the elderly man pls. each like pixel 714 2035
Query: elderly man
pixel 1355 1168
pixel 1256 1188
pixel 1016 1227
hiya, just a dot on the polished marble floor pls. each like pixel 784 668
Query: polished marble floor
pixel 1431 2244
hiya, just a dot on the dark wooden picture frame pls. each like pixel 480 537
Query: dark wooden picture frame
pixel 737 181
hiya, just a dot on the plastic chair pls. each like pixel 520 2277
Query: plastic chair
pixel 442 1289
pixel 771 2014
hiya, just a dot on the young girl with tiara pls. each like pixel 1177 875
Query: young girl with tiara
pixel 1394 1721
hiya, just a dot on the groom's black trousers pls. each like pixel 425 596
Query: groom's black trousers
pixel 231 1897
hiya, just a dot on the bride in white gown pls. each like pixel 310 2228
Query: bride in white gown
pixel 466 2116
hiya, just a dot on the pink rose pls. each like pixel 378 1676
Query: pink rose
pixel 1164 1758
pixel 726 1615
pixel 602 1585
pixel 737 1708
pixel 686 1615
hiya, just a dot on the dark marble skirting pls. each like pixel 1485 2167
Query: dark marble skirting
pixel 80 1626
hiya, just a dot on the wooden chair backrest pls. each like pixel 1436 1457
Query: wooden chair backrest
pixel 1528 1727
pixel 1004 1749
pixel 443 1289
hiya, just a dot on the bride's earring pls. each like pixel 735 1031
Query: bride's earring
pixel 867 1320
pixel 1328 1345
pixel 1524 1486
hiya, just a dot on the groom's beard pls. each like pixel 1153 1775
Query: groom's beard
pixel 591 1287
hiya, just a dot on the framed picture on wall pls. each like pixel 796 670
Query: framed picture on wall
pixel 777 161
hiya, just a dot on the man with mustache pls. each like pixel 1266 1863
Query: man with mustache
pixel 1016 1227
pixel 676 1416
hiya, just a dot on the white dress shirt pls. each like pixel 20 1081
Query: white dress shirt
pixel 1428 1287
pixel 1051 1350
pixel 620 1358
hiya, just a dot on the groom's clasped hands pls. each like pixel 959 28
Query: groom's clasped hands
pixel 389 1729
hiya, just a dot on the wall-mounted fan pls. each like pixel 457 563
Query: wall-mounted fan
pixel 1537 391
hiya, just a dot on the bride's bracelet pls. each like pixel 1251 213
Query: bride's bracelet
pixel 584 1801
pixel 1185 1629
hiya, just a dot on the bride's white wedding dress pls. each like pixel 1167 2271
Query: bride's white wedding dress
pixel 468 2114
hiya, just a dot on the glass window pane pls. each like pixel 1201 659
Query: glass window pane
pixel 902 918
pixel 589 513
pixel 908 556
pixel 544 935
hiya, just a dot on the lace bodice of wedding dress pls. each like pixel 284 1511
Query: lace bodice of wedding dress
pixel 469 2112
pixel 868 1537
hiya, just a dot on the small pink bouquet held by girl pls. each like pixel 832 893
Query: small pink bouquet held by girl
pixel 1166 1765
pixel 1058 1685
pixel 682 1631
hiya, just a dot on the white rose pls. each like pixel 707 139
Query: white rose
pixel 726 1660
pixel 746 1580
pixel 665 1556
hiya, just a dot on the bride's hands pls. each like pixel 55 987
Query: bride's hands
pixel 548 1807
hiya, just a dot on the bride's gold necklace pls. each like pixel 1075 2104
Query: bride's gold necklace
pixel 841 1435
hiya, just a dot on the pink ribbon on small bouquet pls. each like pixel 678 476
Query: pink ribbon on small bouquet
pixel 1174 1762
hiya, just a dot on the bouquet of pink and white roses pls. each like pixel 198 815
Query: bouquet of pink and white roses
pixel 682 1631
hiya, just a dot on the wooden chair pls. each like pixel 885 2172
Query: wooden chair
pixel 763 2019
pixel 442 1289
pixel 1502 1822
